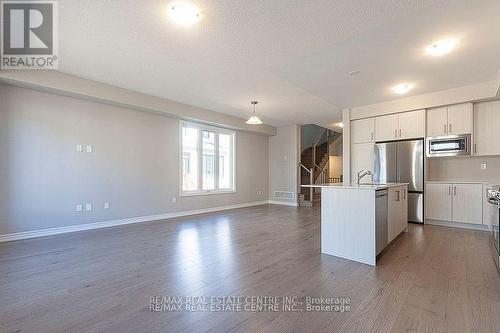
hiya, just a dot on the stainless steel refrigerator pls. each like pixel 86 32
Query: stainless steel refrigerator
pixel 403 162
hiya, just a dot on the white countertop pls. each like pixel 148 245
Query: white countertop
pixel 458 182
pixel 362 186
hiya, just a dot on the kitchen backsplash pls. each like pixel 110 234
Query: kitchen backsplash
pixel 464 169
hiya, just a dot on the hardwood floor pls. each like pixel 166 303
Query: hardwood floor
pixel 431 279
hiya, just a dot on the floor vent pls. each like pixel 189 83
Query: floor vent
pixel 283 195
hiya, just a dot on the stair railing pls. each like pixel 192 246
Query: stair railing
pixel 323 174
pixel 311 180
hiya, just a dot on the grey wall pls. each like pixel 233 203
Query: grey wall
pixel 135 165
pixel 283 161
pixel 464 169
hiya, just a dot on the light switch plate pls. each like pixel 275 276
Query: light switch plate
pixel 106 205
pixel 174 199
pixel 90 148
pixel 483 166
pixel 79 148
pixel 88 207
pixel 79 208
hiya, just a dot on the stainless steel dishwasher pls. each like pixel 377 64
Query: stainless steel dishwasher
pixel 381 223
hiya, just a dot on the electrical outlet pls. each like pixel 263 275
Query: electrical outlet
pixel 79 148
pixel 106 205
pixel 90 148
pixel 79 208
pixel 174 199
pixel 483 166
pixel 88 207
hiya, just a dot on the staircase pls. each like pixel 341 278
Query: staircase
pixel 314 164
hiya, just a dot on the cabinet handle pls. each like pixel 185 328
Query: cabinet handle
pixel 404 194
pixel 395 133
pixel 444 128
pixel 454 190
pixel 449 128
pixel 399 193
pixel 400 131
pixel 449 190
pixel 475 148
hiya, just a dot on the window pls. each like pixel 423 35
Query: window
pixel 207 159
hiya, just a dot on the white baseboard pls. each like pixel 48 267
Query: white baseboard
pixel 285 203
pixel 111 223
pixel 458 225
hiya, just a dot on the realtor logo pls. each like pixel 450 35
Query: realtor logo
pixel 29 35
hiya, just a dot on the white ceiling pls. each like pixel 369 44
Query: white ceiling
pixel 293 56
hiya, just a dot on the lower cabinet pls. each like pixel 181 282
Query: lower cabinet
pixel 397 211
pixel 462 203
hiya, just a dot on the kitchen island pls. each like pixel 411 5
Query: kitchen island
pixel 359 221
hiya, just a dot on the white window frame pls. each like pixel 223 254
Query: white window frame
pixel 217 130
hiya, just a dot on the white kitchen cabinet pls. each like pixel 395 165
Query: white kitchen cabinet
pixel 487 209
pixel 462 203
pixel 450 120
pixel 412 124
pixel 460 119
pixel 397 217
pixel 387 127
pixel 468 203
pixel 361 159
pixel 486 128
pixel 400 126
pixel 438 201
pixel 437 121
pixel 363 130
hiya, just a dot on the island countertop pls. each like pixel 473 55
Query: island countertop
pixel 362 186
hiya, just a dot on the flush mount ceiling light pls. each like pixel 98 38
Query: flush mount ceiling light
pixel 402 88
pixel 254 120
pixel 441 47
pixel 183 13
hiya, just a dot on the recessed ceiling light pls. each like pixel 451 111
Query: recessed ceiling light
pixel 441 47
pixel 183 13
pixel 402 88
pixel 354 72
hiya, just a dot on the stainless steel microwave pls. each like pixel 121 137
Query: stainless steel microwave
pixel 451 145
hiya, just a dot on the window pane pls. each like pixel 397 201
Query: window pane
pixel 189 159
pixel 208 171
pixel 225 161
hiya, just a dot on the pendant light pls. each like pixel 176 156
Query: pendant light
pixel 254 120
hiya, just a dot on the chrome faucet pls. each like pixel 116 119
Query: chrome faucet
pixel 363 173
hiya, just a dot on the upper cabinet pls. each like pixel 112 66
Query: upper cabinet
pixel 437 121
pixel 486 128
pixel 400 126
pixel 386 128
pixel 412 124
pixel 460 118
pixel 363 130
pixel 450 120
